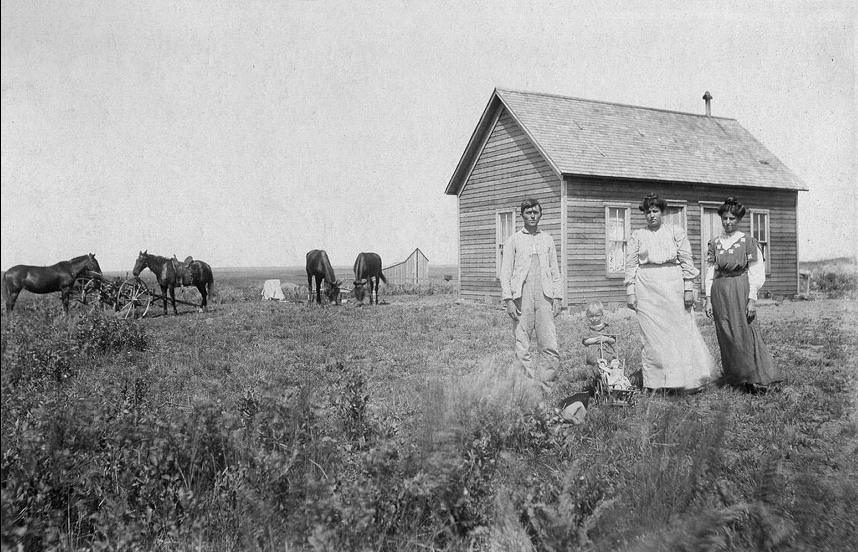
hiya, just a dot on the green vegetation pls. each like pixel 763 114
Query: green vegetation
pixel 278 426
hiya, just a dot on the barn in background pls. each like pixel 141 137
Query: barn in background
pixel 413 270
pixel 590 164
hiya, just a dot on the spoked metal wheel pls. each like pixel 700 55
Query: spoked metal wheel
pixel 133 299
pixel 86 291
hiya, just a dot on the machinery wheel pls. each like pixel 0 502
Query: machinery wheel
pixel 133 299
pixel 86 290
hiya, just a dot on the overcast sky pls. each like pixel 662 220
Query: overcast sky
pixel 246 133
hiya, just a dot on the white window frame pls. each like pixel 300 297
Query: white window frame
pixel 500 238
pixel 627 232
pixel 712 207
pixel 682 205
pixel 766 246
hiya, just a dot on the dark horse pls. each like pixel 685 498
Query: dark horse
pixel 171 274
pixel 46 279
pixel 319 267
pixel 368 274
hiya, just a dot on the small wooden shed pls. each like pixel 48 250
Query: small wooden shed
pixel 590 164
pixel 413 270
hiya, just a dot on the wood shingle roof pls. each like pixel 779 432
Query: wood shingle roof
pixel 593 138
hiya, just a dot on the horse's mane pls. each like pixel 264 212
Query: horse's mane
pixel 78 258
pixel 156 257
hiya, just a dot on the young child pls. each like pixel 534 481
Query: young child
pixel 600 344
pixel 602 356
pixel 601 348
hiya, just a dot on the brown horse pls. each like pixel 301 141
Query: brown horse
pixel 170 276
pixel 319 267
pixel 46 279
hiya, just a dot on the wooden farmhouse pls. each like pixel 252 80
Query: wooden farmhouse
pixel 590 164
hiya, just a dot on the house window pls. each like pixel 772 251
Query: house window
pixel 710 227
pixel 616 238
pixel 675 215
pixel 760 231
pixel 505 227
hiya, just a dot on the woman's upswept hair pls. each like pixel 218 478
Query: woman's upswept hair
pixel 731 205
pixel 653 200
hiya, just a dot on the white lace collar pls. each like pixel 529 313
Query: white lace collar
pixel 727 241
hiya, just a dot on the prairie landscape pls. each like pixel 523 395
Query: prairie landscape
pixel 284 426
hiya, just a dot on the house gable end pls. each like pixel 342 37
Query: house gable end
pixel 508 157
pixel 509 169
pixel 495 109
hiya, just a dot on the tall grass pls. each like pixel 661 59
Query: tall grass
pixel 834 278
pixel 272 426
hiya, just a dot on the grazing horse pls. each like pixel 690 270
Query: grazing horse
pixel 319 267
pixel 46 279
pixel 368 271
pixel 172 274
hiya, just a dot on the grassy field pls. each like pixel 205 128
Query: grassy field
pixel 282 426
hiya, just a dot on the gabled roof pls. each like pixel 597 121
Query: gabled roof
pixel 592 138
pixel 413 253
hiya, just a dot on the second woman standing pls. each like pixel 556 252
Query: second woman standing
pixel 735 273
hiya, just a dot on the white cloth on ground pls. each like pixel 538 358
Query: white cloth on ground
pixel 271 290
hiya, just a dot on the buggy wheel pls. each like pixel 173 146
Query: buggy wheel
pixel 86 290
pixel 601 394
pixel 133 299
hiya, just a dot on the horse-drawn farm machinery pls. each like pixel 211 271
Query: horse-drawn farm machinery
pixel 129 298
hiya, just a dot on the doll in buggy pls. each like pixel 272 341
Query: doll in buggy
pixel 612 386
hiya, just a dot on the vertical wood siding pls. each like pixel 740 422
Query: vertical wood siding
pixel 413 270
pixel 509 170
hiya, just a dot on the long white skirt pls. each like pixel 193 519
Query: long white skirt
pixel 673 353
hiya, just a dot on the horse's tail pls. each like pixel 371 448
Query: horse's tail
pixel 208 276
pixel 381 277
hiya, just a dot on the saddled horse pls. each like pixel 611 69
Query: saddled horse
pixel 46 279
pixel 172 274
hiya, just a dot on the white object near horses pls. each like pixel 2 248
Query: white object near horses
pixel 272 290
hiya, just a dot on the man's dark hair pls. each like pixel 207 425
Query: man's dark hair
pixel 530 202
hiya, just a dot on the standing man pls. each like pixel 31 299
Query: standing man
pixel 533 294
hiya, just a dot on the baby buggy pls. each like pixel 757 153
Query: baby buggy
pixel 612 386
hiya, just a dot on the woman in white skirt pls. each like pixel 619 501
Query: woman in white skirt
pixel 659 282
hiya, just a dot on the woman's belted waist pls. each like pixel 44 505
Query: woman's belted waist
pixel 729 273
pixel 662 265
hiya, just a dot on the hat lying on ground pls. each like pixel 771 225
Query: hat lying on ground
pixel 574 407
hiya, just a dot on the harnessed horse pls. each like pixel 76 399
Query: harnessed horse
pixel 46 279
